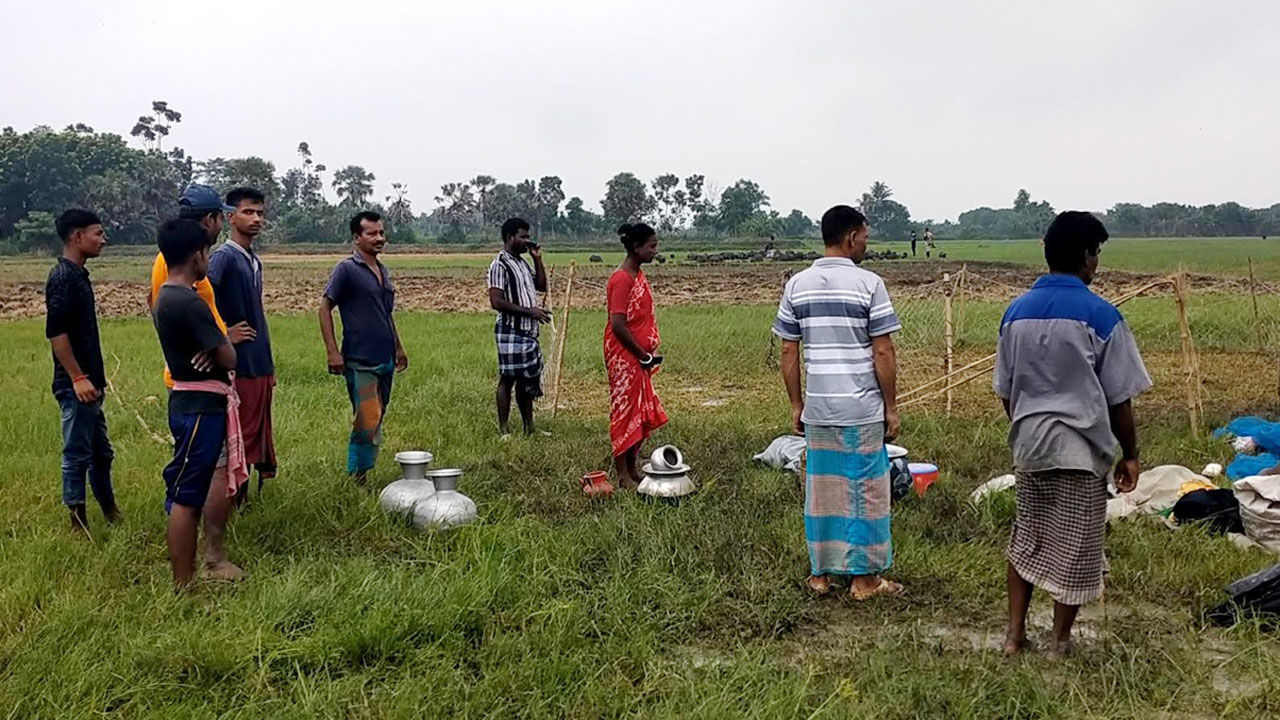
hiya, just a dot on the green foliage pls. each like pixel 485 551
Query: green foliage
pixel 353 184
pixel 626 200
pixel 37 232
pixel 797 224
pixel 739 203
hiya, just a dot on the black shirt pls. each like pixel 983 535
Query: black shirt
pixel 71 311
pixel 186 327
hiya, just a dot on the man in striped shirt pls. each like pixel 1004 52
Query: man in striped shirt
pixel 844 319
pixel 513 293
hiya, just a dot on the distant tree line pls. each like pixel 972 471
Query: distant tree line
pixel 134 187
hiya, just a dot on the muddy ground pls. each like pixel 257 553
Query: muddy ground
pixel 293 289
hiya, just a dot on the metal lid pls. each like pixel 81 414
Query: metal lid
pixel 895 451
pixel 414 457
pixel 444 473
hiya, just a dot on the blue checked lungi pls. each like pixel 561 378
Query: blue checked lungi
pixel 846 500
pixel 519 357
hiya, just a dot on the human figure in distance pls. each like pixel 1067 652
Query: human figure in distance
pixel 630 354
pixel 360 287
pixel 513 293
pixel 928 242
pixel 79 375
pixel 208 452
pixel 1067 367
pixel 235 271
pixel 913 243
pixel 843 317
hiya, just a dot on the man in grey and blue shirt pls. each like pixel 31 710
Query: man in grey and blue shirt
pixel 1066 370
pixel 842 316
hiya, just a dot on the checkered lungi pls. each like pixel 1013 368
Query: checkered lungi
pixel 846 500
pixel 519 357
pixel 1058 533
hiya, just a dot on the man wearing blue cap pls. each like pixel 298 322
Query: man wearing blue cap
pixel 202 204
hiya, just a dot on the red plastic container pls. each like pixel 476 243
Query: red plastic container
pixel 595 484
pixel 922 476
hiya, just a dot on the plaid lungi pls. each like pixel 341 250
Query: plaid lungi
pixel 520 357
pixel 1058 533
pixel 846 500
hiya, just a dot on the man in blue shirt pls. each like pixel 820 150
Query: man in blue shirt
pixel 360 287
pixel 236 273
pixel 1066 369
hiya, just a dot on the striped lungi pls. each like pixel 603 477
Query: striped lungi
pixel 846 500
pixel 1057 541
pixel 519 357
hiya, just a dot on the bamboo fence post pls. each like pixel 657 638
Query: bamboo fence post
pixel 1253 295
pixel 1188 361
pixel 562 336
pixel 948 333
pixel 963 284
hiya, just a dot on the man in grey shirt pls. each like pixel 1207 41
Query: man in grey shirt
pixel 1066 369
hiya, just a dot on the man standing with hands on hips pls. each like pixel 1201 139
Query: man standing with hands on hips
pixel 236 273
pixel 360 287
pixel 842 315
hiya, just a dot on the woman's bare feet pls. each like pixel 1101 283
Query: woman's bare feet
pixel 819 585
pixel 627 481
pixel 224 571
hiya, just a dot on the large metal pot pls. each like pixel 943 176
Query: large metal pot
pixel 447 507
pixel 400 497
pixel 666 476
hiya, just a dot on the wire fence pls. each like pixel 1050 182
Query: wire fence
pixel 1208 341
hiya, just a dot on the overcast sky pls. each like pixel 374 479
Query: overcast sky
pixel 954 104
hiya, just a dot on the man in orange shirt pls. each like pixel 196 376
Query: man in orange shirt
pixel 203 204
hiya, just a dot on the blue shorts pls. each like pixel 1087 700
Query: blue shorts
pixel 199 448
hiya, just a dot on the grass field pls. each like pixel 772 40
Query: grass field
pixel 556 607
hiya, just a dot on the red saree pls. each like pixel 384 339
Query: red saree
pixel 634 408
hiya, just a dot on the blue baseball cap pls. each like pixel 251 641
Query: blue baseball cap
pixel 202 198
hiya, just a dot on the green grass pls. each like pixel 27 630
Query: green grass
pixel 1221 256
pixel 556 607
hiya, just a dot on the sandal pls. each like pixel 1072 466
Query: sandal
pixel 885 588
pixel 821 590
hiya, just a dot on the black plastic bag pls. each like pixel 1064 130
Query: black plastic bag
pixel 1256 594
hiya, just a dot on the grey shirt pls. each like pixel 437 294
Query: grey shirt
pixel 1064 357
pixel 834 308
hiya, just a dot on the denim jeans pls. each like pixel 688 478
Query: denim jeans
pixel 86 450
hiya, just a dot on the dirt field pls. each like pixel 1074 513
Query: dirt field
pixel 292 289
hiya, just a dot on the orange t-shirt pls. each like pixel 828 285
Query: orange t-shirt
pixel 204 288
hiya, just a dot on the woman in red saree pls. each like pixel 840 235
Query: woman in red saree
pixel 630 347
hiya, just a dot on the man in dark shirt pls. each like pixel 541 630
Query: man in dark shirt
pixel 79 380
pixel 199 356
pixel 360 287
pixel 236 273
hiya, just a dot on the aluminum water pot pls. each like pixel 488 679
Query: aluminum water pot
pixel 446 508
pixel 401 496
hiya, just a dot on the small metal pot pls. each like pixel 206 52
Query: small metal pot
pixel 900 482
pixel 666 458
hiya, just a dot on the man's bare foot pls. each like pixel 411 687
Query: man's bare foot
pixel 1061 649
pixel 223 571
pixel 627 481
pixel 1015 643
pixel 113 514
pixel 361 478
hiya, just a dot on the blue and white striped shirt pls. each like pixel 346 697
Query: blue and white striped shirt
pixel 834 309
